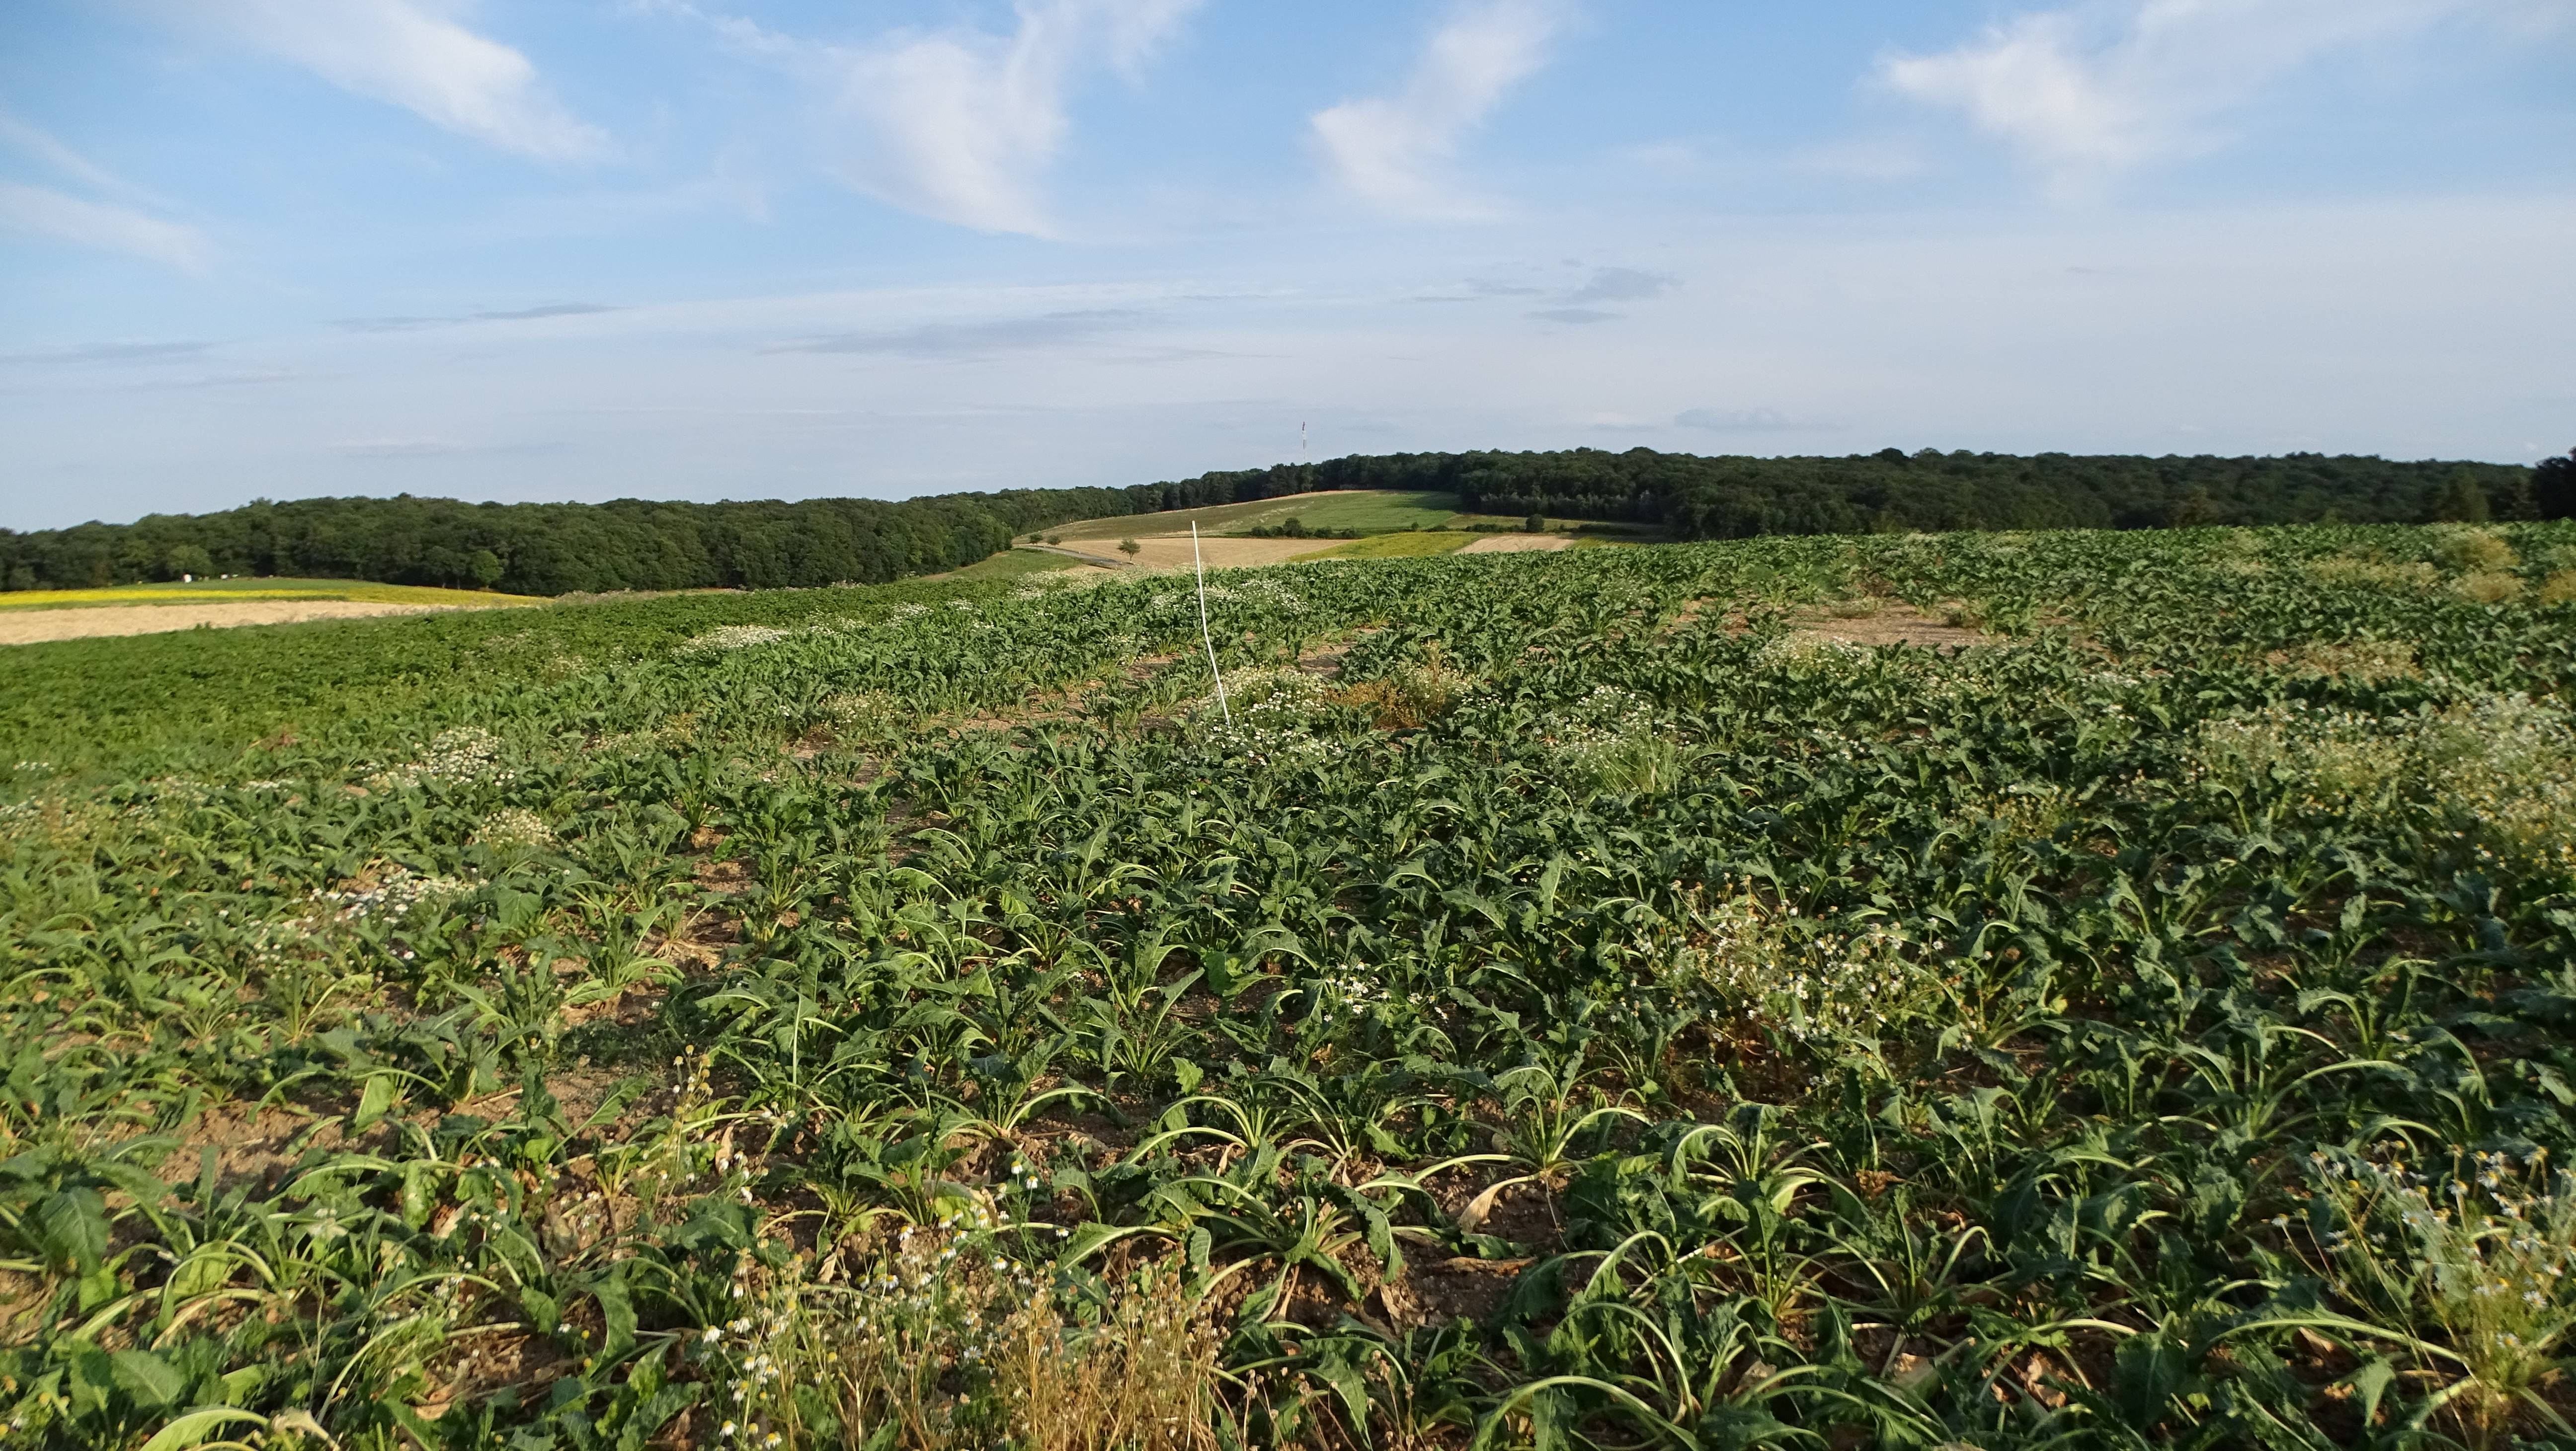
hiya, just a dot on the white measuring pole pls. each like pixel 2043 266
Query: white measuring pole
pixel 1204 637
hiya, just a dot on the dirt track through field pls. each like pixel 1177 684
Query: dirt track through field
pixel 32 627
pixel 1169 552
pixel 1162 553
pixel 1518 543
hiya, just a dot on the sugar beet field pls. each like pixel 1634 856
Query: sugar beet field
pixel 1610 999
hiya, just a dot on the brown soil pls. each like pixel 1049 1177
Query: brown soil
pixel 1441 1291
pixel 253 1145
pixel 32 627
pixel 1894 624
pixel 1164 553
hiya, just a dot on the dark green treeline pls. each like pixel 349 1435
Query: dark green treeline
pixel 640 544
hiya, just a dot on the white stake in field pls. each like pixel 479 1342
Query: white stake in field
pixel 1204 637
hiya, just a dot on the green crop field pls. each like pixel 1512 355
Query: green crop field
pixel 1368 511
pixel 1605 998
pixel 1413 544
pixel 1014 564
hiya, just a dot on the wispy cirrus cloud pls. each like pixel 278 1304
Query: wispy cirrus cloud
pixel 1395 151
pixel 1582 304
pixel 428 448
pixel 44 212
pixel 395 447
pixel 961 125
pixel 1741 420
pixel 412 54
pixel 978 339
pixel 113 226
pixel 109 354
pixel 1623 284
pixel 2086 91
pixel 41 146
pixel 522 314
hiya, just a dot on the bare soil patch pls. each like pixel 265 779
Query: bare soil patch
pixel 1519 543
pixel 1443 1291
pixel 37 626
pixel 1894 624
pixel 1162 553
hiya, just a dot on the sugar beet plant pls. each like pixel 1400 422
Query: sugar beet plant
pixel 1598 999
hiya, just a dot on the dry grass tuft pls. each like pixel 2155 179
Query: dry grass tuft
pixel 1409 698
pixel 2475 551
pixel 2490 586
pixel 1142 1378
pixel 941 1341
pixel 2366 570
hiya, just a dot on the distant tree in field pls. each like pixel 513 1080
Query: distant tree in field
pixel 2195 509
pixel 1055 539
pixel 188 559
pixel 2553 486
pixel 2462 501
pixel 1129 546
pixel 484 567
pixel 1293 527
pixel 1534 524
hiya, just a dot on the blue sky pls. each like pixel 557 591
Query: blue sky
pixel 587 249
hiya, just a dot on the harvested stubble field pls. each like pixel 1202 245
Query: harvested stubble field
pixel 1567 999
pixel 30 617
pixel 1518 544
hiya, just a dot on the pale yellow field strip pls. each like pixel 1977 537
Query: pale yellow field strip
pixel 38 599
pixel 1518 543
pixel 37 626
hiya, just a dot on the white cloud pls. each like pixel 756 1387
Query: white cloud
pixel 44 212
pixel 411 54
pixel 1623 284
pixel 41 146
pixel 2093 89
pixel 1394 150
pixel 2373 326
pixel 1739 420
pixel 961 125
pixel 396 447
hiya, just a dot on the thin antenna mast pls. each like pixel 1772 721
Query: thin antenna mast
pixel 1204 637
pixel 1305 455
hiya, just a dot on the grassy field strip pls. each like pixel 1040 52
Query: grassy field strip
pixel 1416 544
pixel 1371 511
pixel 1016 564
